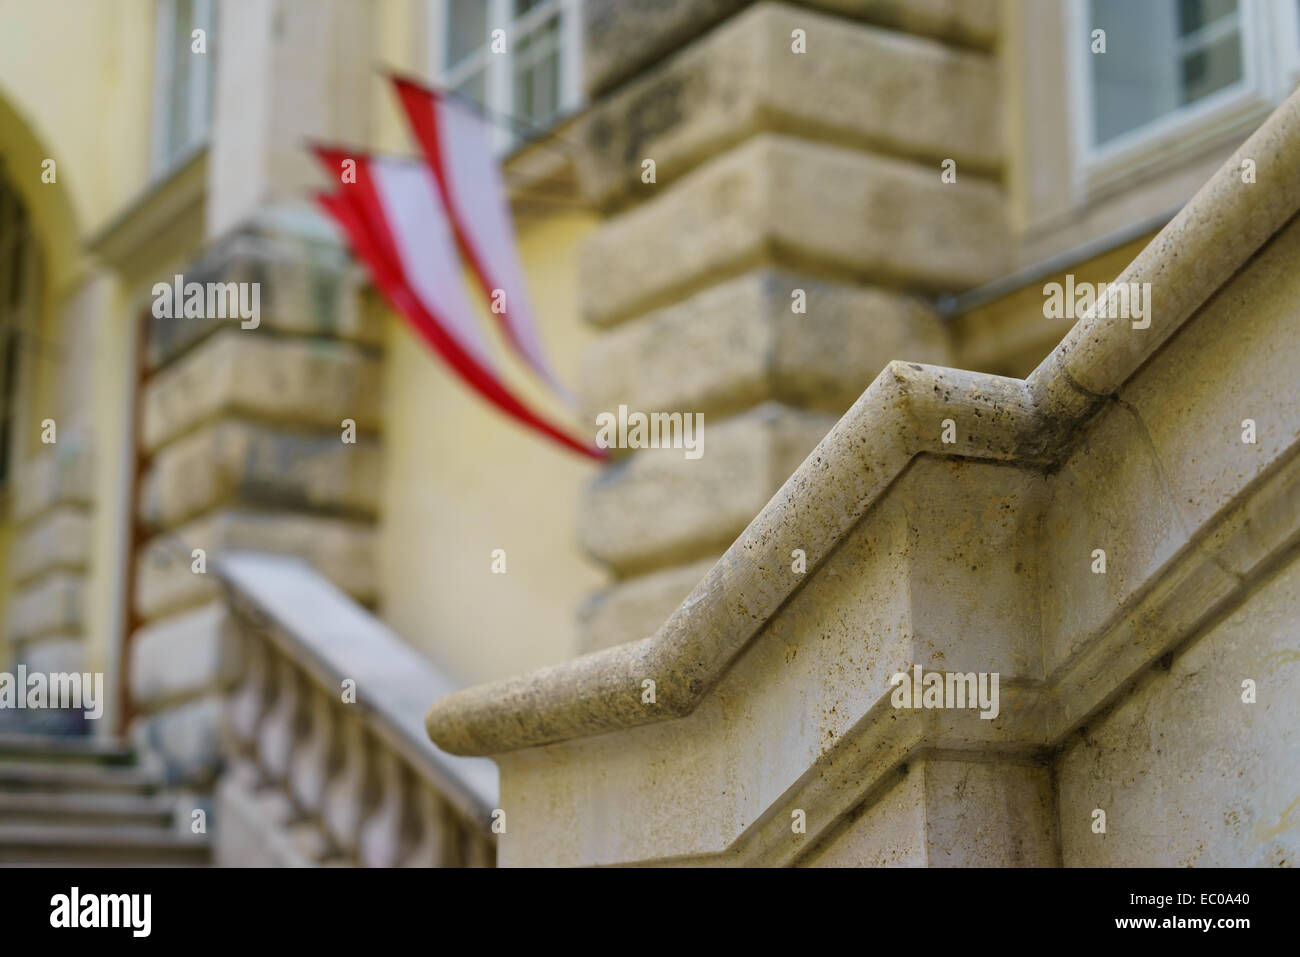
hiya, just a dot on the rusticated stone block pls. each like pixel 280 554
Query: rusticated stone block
pixel 858 85
pixel 58 474
pixel 293 380
pixel 342 550
pixel 634 609
pixel 184 740
pixel 180 656
pixel 53 603
pixel 230 460
pixel 968 22
pixel 622 37
pixel 742 342
pixel 303 286
pixel 660 508
pixel 796 202
pixel 58 539
pixel 57 655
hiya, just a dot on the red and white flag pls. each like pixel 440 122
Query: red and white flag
pixel 394 216
pixel 457 144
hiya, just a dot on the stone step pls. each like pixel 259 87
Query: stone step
pixel 18 775
pixel 100 846
pixel 47 747
pixel 85 809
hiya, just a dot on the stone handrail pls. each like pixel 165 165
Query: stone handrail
pixel 326 757
pixel 898 418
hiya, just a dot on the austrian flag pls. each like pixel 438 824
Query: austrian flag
pixel 409 223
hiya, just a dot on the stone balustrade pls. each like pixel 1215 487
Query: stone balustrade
pixel 326 760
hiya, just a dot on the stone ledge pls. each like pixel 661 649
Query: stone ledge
pixel 795 203
pixel 739 343
pixel 858 86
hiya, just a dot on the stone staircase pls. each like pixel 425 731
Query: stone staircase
pixel 86 802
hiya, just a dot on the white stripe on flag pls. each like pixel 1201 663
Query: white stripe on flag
pixel 422 233
pixel 482 211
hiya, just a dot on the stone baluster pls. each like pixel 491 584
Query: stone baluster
pixel 348 792
pixel 280 728
pixel 437 844
pixel 316 757
pixel 385 835
pixel 249 700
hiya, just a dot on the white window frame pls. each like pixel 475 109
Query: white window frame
pixel 1264 83
pixel 1288 42
pixel 499 87
pixel 163 161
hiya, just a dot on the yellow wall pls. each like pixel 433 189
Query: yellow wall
pixel 461 480
pixel 76 87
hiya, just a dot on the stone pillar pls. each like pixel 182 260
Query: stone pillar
pixel 795 237
pixel 48 620
pixel 243 428
pixel 246 433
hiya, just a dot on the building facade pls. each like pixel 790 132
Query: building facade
pixel 791 218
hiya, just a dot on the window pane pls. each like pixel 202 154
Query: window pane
pixel 1210 70
pixel 537 74
pixel 466 28
pixel 1160 55
pixel 473 87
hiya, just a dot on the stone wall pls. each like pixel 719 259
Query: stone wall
pixel 794 239
pixel 1114 539
pixel 243 432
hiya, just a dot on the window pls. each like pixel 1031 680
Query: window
pixel 529 86
pixel 182 80
pixel 1159 58
pixel 1174 75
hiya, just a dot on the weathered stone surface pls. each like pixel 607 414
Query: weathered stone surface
pixel 62 473
pixel 230 460
pixel 953 814
pixel 741 342
pixel 54 655
pixel 856 85
pixel 184 740
pixel 660 508
pixel 304 286
pixel 971 22
pixel 58 539
pixel 342 550
pixel 52 604
pixel 1188 774
pixel 621 38
pixel 1109 495
pixel 306 382
pixel 634 609
pixel 874 218
pixel 1196 394
pixel 624 37
pixel 180 656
